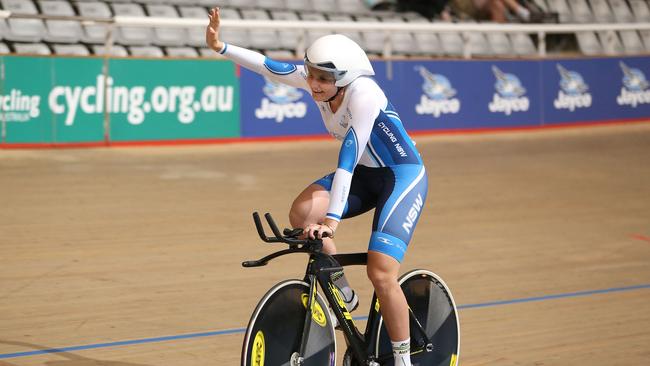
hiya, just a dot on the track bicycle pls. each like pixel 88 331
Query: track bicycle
pixel 282 332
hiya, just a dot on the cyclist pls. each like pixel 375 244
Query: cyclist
pixel 378 167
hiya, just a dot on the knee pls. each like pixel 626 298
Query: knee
pixel 296 215
pixel 382 281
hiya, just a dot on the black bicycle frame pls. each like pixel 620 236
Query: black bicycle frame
pixel 319 270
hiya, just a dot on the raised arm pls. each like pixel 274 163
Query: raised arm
pixel 282 72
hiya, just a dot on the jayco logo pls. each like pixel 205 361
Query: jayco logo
pixel 281 102
pixel 438 97
pixel 573 91
pixel 635 87
pixel 510 94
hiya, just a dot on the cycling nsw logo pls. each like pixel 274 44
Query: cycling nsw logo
pixel 439 95
pixel 281 101
pixel 635 87
pixel 573 91
pixel 510 94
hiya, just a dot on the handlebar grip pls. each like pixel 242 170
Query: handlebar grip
pixel 249 264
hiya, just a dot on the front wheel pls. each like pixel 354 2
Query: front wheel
pixel 434 308
pixel 274 333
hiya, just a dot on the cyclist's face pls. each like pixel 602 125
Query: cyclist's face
pixel 321 84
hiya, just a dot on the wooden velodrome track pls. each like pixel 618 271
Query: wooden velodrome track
pixel 131 256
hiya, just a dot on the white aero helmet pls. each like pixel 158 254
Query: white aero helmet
pixel 339 55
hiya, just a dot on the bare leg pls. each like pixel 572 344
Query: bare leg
pixel 382 272
pixel 310 207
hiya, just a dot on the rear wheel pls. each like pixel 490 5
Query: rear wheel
pixel 434 308
pixel 274 333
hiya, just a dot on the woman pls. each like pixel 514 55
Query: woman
pixel 379 166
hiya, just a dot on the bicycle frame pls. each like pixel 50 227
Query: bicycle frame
pixel 320 269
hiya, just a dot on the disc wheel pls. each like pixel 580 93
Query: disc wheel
pixel 274 333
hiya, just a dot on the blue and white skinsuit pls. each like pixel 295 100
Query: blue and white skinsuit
pixel 378 164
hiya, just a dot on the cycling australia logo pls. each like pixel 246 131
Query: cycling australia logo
pixel 439 95
pixel 282 101
pixel 16 106
pixel 510 94
pixel 635 87
pixel 573 93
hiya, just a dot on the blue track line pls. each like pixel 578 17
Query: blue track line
pixel 242 330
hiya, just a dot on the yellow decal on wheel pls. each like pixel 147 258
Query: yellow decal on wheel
pixel 454 360
pixel 257 355
pixel 316 312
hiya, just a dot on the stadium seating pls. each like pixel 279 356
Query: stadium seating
pixel 23 30
pixel 93 9
pixel 71 37
pixel 66 31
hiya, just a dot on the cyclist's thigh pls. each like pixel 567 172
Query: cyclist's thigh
pixel 362 196
pixel 398 210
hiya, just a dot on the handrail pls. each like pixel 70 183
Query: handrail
pixel 385 27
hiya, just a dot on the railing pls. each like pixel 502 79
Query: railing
pixel 465 29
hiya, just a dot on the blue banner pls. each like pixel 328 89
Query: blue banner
pixel 594 90
pixel 273 109
pixel 444 95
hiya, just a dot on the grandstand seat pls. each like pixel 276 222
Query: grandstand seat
pixel 94 9
pixel 271 4
pixel 479 44
pixel 602 12
pixel 23 30
pixel 298 5
pixel 426 43
pixel 312 35
pixel 326 7
pixel 373 41
pixel 632 43
pixel 640 10
pixel 67 31
pixel 350 6
pixel 181 52
pixel 352 34
pixel 288 38
pixel 645 36
pixel 622 12
pixel 562 9
pixel 4 49
pixel 499 43
pixel 261 38
pixel 581 11
pixel 70 49
pixel 146 51
pixel 131 35
pixel 451 43
pixel 588 43
pixel 209 4
pixel 32 48
pixel 4 29
pixel 611 43
pixel 116 50
pixel 522 44
pixel 242 3
pixel 402 42
pixel 166 36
